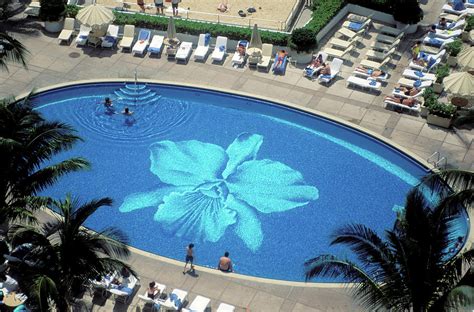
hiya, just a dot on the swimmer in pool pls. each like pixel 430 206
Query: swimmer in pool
pixel 108 102
pixel 127 112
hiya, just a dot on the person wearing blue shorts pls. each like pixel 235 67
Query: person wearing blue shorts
pixel 189 257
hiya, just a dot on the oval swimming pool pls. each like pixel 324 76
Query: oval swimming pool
pixel 265 182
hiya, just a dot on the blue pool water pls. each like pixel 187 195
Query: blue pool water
pixel 267 183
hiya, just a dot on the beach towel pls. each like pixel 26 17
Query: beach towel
pixel 207 39
pixel 436 42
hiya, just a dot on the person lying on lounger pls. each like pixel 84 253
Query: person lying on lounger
pixel 241 50
pixel 408 102
pixel 325 70
pixel 409 91
pixel 315 65
pixel 280 57
pixel 373 73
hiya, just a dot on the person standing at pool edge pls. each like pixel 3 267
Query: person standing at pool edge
pixel 174 5
pixel 225 264
pixel 189 257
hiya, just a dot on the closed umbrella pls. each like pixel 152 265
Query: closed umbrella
pixel 460 84
pixel 95 16
pixel 171 31
pixel 466 58
pixel 255 40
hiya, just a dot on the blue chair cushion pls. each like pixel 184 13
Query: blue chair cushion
pixel 431 62
pixel 419 73
pixel 436 42
pixel 372 82
pixel 417 83
pixel 326 76
pixel 355 26
pixel 207 39
pixel 222 48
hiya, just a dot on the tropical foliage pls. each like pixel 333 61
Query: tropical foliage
pixel 27 143
pixel 65 255
pixel 413 266
pixel 11 50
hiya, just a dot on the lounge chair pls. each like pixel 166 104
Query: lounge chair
pixel 399 93
pixel 83 35
pixel 362 72
pixel 458 24
pixel 156 45
pixel 128 36
pixel 364 83
pixel 110 38
pixel 158 292
pixel 346 32
pixel 449 9
pixel 309 71
pixel 126 290
pixel 469 4
pixel 416 108
pixel 203 47
pixel 267 53
pixel 220 49
pixel 238 58
pixel 416 74
pixel 435 49
pixel 199 304
pixel 415 83
pixel 453 17
pixel 357 18
pixel 184 52
pixel 391 31
pixel 356 26
pixel 148 301
pixel 176 299
pixel 338 53
pixel 446 34
pixel 388 39
pixel 374 64
pixel 224 307
pixel 437 42
pixel 344 44
pixel 428 68
pixel 376 55
pixel 335 69
pixel 279 68
pixel 142 43
pixel 379 46
pixel 68 29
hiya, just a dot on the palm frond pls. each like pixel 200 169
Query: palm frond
pixel 14 51
pixel 456 179
pixel 45 290
pixel 82 213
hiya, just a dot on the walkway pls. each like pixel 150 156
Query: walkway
pixel 51 63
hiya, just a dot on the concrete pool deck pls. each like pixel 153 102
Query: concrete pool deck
pixel 51 63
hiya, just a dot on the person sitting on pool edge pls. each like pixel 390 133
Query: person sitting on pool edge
pixel 127 112
pixel 225 264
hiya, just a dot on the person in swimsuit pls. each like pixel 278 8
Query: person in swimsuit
pixel 189 257
pixel 225 264
pixel 127 112
pixel 281 56
pixel 152 290
pixel 159 7
pixel 408 102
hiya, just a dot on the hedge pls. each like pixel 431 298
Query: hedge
pixel 323 12
pixel 191 27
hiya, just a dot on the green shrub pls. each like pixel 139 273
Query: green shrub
pixel 323 12
pixel 442 109
pixel 52 10
pixel 302 39
pixel 428 93
pixel 72 10
pixel 407 11
pixel 442 72
pixel 454 47
pixel 469 23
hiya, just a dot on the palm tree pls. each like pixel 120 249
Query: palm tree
pixel 27 142
pixel 413 266
pixel 11 50
pixel 65 255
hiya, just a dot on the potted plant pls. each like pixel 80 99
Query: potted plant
pixel 441 114
pixel 453 50
pixel 302 40
pixel 407 12
pixel 52 12
pixel 469 26
pixel 441 73
pixel 429 97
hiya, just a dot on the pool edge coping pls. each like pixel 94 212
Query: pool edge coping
pixel 245 94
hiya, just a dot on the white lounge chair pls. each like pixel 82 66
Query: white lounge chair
pixel 388 39
pixel 344 44
pixel 416 74
pixel 267 53
pixel 391 31
pixel 364 83
pixel 184 52
pixel 127 289
pixel 156 45
pixel 356 26
pixel 199 304
pixel 203 47
pixel 335 69
pixel 362 72
pixel 128 37
pixel 224 307
pixel 453 17
pixel 68 29
pixel 446 34
pixel 449 9
pixel 458 24
pixel 175 299
pixel 110 38
pixel 428 68
pixel 346 32
pixel 379 46
pixel 435 49
pixel 310 70
pixel 83 35
pixel 416 108
pixel 239 59
pixel 469 4
pixel 142 43
pixel 374 64
pixel 415 83
pixel 338 53
pixel 397 92
pixel 220 49
pixel 376 55
pixel 436 41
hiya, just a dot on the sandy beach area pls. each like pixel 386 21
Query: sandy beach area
pixel 269 13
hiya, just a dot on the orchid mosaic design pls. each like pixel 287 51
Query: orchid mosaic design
pixel 207 189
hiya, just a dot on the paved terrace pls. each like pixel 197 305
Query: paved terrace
pixel 51 63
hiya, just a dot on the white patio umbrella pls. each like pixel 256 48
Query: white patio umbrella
pixel 460 84
pixel 466 58
pixel 95 16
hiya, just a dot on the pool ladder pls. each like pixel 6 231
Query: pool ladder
pixel 437 161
